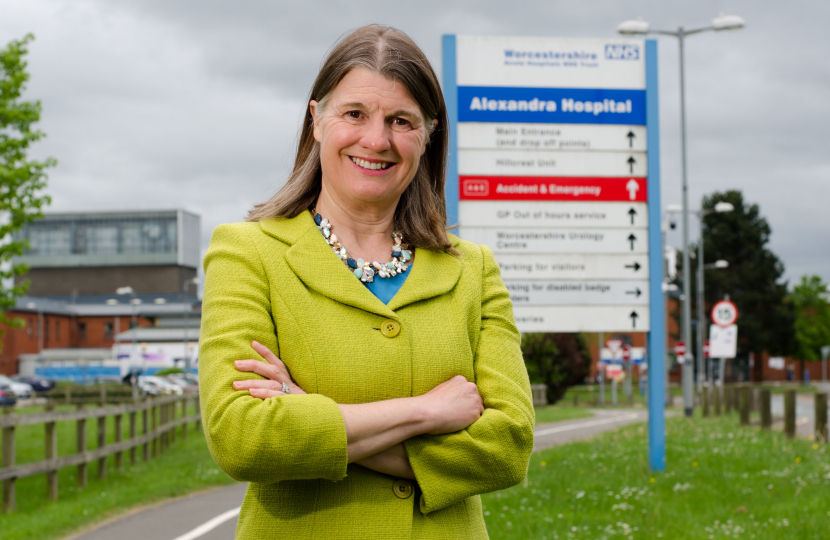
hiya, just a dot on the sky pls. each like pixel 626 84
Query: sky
pixel 196 104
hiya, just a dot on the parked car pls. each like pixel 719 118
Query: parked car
pixel 166 386
pixel 149 388
pixel 179 380
pixel 21 390
pixel 7 397
pixel 38 384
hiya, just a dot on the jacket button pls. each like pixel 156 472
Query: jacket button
pixel 390 328
pixel 402 489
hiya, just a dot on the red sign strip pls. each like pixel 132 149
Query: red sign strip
pixel 554 188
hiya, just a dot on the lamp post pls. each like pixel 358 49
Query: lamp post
pixel 719 208
pixel 641 27
pixel 134 316
pixel 187 307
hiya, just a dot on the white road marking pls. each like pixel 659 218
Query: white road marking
pixel 208 526
pixel 580 425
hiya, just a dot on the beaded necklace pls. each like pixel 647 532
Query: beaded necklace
pixel 366 271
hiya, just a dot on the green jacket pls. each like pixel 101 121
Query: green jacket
pixel 278 282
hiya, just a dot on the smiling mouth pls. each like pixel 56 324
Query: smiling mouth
pixel 372 166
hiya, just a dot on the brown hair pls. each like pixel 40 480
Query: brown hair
pixel 421 214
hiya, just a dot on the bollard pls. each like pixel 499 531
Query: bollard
pixel 766 409
pixel 789 413
pixel 752 401
pixel 717 400
pixel 744 405
pixel 729 396
pixel 704 396
pixel 613 392
pixel 821 417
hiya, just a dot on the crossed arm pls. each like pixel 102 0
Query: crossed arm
pixel 375 431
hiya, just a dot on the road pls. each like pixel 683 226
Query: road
pixel 212 515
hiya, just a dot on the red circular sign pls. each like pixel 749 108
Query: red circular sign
pixel 680 348
pixel 724 313
pixel 626 352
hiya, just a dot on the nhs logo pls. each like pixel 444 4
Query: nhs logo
pixel 622 52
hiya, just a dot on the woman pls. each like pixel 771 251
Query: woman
pixel 393 390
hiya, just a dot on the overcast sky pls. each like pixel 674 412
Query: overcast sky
pixel 196 104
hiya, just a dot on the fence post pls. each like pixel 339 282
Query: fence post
pixel 165 435
pixel 146 449
pixel 744 405
pixel 789 413
pixel 132 436
pixel 102 442
pixel 184 415
pixel 153 426
pixel 821 416
pixel 717 398
pixel 766 409
pixel 198 406
pixel 704 396
pixel 9 502
pixel 119 428
pixel 68 392
pixel 173 419
pixel 51 453
pixel 81 443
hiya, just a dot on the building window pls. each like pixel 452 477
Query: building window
pixel 81 331
pixel 108 331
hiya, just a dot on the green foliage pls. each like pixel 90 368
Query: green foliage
pixel 169 371
pixel 21 179
pixel 557 360
pixel 753 278
pixel 812 317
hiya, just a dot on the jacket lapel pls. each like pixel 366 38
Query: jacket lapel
pixel 433 273
pixel 313 261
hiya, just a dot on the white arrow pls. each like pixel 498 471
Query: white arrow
pixel 632 187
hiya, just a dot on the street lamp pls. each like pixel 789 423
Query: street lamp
pixel 641 27
pixel 133 303
pixel 187 307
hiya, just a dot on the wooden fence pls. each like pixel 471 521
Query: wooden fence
pixel 157 416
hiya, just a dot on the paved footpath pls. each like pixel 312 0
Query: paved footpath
pixel 212 515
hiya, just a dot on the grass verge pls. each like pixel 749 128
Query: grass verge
pixel 184 468
pixel 558 413
pixel 722 481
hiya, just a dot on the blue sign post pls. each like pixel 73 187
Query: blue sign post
pixel 657 332
pixel 555 164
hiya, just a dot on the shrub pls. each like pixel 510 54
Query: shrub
pixel 557 360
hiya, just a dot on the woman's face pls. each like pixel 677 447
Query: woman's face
pixel 372 135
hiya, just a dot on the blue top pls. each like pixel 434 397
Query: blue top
pixel 386 288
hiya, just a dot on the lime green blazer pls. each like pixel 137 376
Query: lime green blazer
pixel 279 283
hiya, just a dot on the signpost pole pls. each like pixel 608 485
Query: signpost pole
pixel 657 332
pixel 601 369
pixel 451 100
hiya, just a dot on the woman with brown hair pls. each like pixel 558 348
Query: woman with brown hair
pixel 390 390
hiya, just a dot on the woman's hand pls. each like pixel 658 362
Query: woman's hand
pixel 274 371
pixel 454 405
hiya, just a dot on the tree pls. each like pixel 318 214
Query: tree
pixel 21 179
pixel 812 318
pixel 557 360
pixel 753 279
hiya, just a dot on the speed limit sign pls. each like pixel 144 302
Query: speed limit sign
pixel 724 313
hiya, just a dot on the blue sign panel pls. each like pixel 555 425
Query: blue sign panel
pixel 551 105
